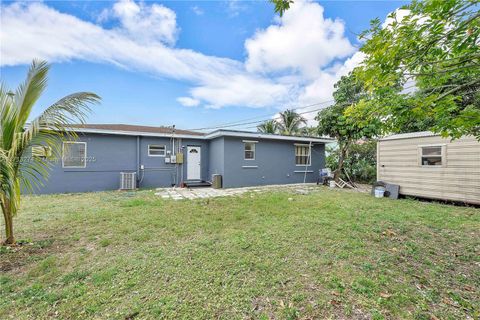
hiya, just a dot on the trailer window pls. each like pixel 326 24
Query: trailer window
pixel 431 156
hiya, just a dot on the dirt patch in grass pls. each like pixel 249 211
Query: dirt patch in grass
pixel 13 258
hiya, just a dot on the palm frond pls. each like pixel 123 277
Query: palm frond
pixel 291 122
pixel 49 128
pixel 5 171
pixel 28 92
pixel 270 126
pixel 8 118
pixel 18 168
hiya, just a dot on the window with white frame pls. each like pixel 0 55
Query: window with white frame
pixel 156 150
pixel 303 155
pixel 431 155
pixel 74 155
pixel 249 150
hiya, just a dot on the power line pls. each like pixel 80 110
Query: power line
pixel 241 122
pixel 253 122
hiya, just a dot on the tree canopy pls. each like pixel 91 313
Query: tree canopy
pixel 289 123
pixel 421 69
pixel 423 63
pixel 269 126
pixel 334 122
pixel 281 5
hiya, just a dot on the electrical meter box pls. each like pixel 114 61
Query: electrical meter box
pixel 179 157
pixel 173 158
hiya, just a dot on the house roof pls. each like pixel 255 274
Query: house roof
pixel 249 134
pixel 138 129
pixel 124 129
pixel 410 135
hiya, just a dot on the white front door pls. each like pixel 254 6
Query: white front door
pixel 193 162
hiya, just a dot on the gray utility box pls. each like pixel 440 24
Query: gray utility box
pixel 217 181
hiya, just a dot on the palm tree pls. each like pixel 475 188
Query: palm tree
pixel 17 137
pixel 291 122
pixel 270 126
pixel 309 131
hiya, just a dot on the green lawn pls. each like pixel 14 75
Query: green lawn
pixel 328 254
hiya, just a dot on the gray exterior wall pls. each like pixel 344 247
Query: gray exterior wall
pixel 274 161
pixel 108 155
pixel 216 157
pixel 157 173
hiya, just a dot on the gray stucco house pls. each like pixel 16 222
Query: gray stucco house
pixel 164 157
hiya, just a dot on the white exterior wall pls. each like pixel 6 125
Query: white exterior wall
pixel 458 179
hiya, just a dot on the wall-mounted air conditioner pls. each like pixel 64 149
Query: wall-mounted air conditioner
pixel 128 180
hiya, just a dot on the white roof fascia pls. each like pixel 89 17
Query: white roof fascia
pixel 410 135
pixel 136 133
pixel 212 135
pixel 217 134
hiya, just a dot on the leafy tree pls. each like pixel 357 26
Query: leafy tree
pixel 270 126
pixel 360 164
pixel 17 136
pixel 290 122
pixel 281 6
pixel 424 66
pixel 422 70
pixel 333 121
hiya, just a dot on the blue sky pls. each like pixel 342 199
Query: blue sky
pixel 190 63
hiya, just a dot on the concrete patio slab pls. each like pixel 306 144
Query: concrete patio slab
pixel 204 193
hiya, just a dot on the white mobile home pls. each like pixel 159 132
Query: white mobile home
pixel 426 165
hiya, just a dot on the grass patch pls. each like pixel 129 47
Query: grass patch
pixel 328 254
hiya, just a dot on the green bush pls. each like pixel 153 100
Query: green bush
pixel 360 163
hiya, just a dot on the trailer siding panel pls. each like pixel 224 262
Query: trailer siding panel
pixel 458 179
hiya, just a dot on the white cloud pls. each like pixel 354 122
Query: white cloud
pixel 37 31
pixel 235 7
pixel 148 23
pixel 321 89
pixel 188 102
pixel 293 62
pixel 104 15
pixel 239 88
pixel 396 16
pixel 197 10
pixel 301 40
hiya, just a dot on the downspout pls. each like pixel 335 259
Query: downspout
pixel 138 161
pixel 174 175
pixel 309 161
pixel 179 166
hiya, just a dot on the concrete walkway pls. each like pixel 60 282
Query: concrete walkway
pixel 203 193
